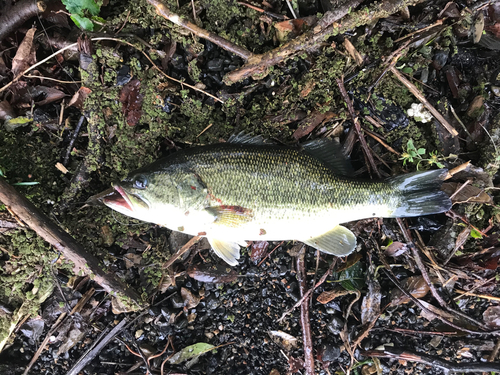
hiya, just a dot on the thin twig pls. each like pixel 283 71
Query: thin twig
pixel 73 139
pixel 299 302
pixel 304 314
pixel 415 91
pixel 181 251
pixel 432 361
pixel 357 127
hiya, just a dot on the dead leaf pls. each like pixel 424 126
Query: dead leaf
pixel 259 249
pixel 25 55
pixel 414 285
pixel 190 300
pixel 307 88
pixel 42 95
pixel 370 307
pixel 329 295
pixel 431 310
pixel 283 339
pixel 6 111
pixel 311 122
pixel 79 97
pixel 286 30
pixel 208 274
pixel 353 52
pixel 491 317
pixel 467 194
pixel 462 238
pixel 131 259
pixel 131 98
pixel 395 249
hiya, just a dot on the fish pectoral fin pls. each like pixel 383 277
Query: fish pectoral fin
pixel 230 216
pixel 229 251
pixel 340 241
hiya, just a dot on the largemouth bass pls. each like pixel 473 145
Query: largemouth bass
pixel 233 192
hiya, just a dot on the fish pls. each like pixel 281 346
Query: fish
pixel 248 189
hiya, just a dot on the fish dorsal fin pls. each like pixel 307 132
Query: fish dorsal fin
pixel 331 153
pixel 228 251
pixel 243 138
pixel 340 241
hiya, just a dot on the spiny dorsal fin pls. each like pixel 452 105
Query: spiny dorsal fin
pixel 243 138
pixel 331 153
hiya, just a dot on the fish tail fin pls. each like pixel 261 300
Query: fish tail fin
pixel 420 193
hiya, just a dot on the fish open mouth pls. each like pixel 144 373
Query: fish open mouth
pixel 118 198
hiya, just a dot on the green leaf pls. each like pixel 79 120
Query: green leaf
pixel 27 183
pixel 82 22
pixel 475 234
pixel 190 352
pixel 78 6
pixel 353 277
pixel 421 151
pixel 407 70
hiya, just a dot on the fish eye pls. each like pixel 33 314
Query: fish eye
pixel 141 182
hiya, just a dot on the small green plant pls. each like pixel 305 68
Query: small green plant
pixel 2 174
pixel 80 10
pixel 414 155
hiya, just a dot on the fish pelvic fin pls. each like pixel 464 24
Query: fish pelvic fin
pixel 228 251
pixel 420 193
pixel 340 241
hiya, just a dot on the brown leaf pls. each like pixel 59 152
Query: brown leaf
pixel 259 249
pixel 467 194
pixel 329 295
pixel 492 317
pixel 79 97
pixel 414 285
pixel 131 98
pixel 461 238
pixel 42 95
pixel 370 307
pixel 208 274
pixel 353 52
pixel 395 249
pixel 6 111
pixel 132 260
pixel 311 122
pixel 25 55
pixel 190 300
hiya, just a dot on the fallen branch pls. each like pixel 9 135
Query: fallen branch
pixel 327 26
pixel 304 314
pixel 163 11
pixel 447 366
pixel 84 262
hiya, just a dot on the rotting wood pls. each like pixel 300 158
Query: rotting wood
pixel 84 262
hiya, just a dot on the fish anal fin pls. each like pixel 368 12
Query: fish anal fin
pixel 339 241
pixel 230 216
pixel 227 250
